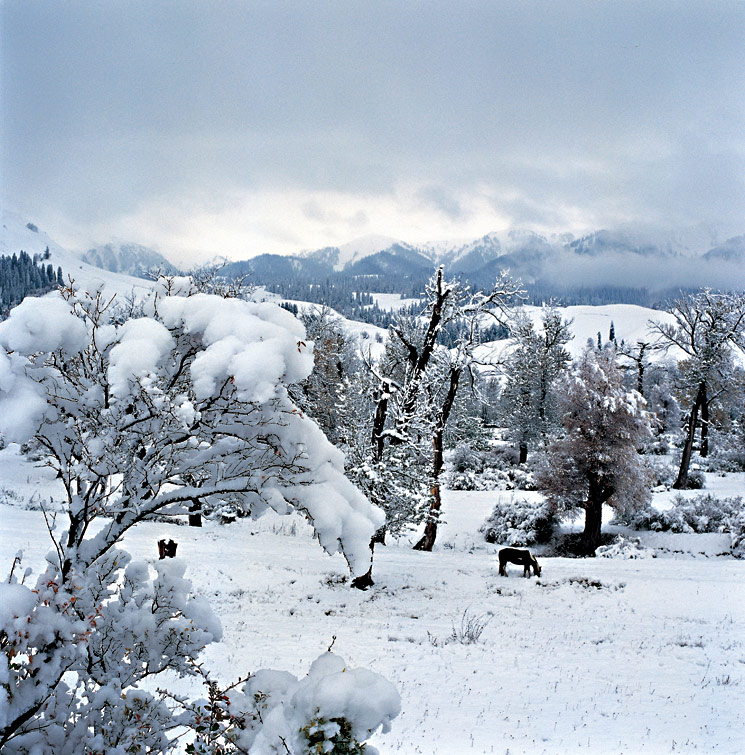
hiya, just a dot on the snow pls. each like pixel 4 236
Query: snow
pixel 393 302
pixel 16 236
pixel 357 249
pixel 600 655
pixel 631 324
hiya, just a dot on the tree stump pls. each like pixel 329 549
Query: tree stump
pixel 167 548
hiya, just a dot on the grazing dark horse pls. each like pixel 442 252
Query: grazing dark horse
pixel 518 556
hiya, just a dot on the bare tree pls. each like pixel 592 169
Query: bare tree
pixel 708 327
pixel 429 386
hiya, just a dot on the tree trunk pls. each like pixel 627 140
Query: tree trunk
pixel 593 522
pixel 427 541
pixel 195 513
pixel 523 449
pixel 381 412
pixel 640 369
pixel 685 460
pixel 704 452
pixel 365 580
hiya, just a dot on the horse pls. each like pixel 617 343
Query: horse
pixel 518 556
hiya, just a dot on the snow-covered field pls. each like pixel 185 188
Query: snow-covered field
pixel 597 656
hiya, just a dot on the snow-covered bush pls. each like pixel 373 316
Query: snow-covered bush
pixel 736 527
pixel 519 522
pixel 695 480
pixel 466 459
pixel 187 402
pixel 728 454
pixel 661 473
pixel 491 469
pixel 624 547
pixel 704 513
pixel 334 709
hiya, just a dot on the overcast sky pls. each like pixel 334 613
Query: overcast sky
pixel 237 128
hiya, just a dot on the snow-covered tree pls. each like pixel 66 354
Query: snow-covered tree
pixel 596 462
pixel 326 394
pixel 531 368
pixel 708 327
pixel 430 374
pixel 130 412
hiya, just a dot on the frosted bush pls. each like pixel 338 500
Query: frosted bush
pixel 623 547
pixel 519 522
pixel 491 469
pixel 736 526
pixel 704 513
pixel 334 709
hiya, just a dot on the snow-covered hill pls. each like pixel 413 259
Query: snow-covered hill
pixel 19 234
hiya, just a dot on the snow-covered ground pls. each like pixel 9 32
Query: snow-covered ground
pixel 393 302
pixel 597 656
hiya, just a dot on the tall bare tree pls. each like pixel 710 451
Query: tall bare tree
pixel 708 327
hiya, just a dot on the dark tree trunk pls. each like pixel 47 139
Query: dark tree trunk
pixel 523 450
pixel 195 513
pixel 704 422
pixel 593 522
pixel 418 360
pixel 685 461
pixel 381 412
pixel 640 369
pixel 364 581
pixel 427 541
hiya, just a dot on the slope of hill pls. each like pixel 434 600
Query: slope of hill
pixel 19 234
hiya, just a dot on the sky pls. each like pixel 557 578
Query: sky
pixel 238 128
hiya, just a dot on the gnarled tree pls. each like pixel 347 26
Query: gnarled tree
pixel 596 461
pixel 708 327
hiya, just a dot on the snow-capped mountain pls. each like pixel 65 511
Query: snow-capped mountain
pixel 628 258
pixel 130 259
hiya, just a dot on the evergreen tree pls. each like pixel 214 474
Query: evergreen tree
pixel 527 405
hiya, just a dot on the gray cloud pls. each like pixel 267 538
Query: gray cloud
pixel 562 114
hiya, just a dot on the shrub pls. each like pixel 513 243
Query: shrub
pixel 519 522
pixel 491 469
pixel 695 480
pixel 661 473
pixel 736 524
pixel 466 459
pixel 571 545
pixel 623 547
pixel 704 513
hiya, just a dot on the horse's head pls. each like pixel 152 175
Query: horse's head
pixel 536 568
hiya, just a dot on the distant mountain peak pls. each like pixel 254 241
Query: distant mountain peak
pixel 128 258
